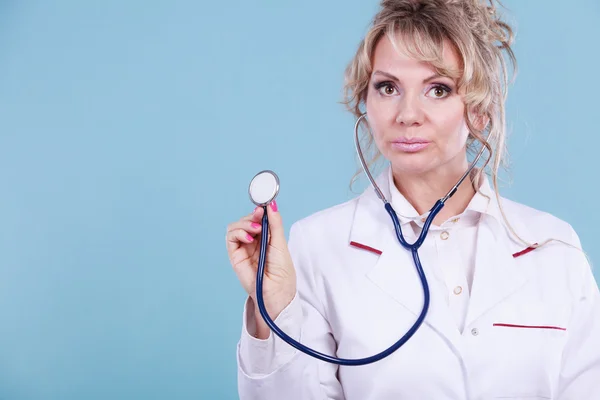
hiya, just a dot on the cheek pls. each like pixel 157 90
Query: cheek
pixel 452 126
pixel 381 113
pixel 376 116
pixel 373 107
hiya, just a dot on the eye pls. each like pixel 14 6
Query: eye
pixel 389 90
pixel 386 88
pixel 439 91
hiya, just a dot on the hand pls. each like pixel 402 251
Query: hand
pixel 243 246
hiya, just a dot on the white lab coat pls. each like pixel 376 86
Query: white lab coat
pixel 354 302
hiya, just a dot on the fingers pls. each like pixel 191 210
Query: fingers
pixel 252 222
pixel 247 225
pixel 244 230
pixel 255 215
pixel 236 236
pixel 276 226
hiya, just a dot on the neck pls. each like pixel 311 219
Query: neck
pixel 424 190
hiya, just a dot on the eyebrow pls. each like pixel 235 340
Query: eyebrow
pixel 432 77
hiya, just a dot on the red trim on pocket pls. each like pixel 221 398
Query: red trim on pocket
pixel 531 326
pixel 365 247
pixel 523 252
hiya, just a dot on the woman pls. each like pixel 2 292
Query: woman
pixel 503 322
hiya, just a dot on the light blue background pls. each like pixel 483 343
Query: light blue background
pixel 129 131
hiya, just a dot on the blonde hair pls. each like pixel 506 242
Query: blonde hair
pixel 481 40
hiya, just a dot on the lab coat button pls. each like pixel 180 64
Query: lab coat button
pixel 474 331
pixel 457 290
pixel 444 235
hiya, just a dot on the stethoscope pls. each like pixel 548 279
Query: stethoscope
pixel 264 187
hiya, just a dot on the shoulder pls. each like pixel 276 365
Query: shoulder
pixel 536 224
pixel 326 223
pixel 563 255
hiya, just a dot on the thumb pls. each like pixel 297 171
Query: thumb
pixel 275 226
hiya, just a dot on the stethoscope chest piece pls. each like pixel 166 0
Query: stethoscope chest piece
pixel 263 188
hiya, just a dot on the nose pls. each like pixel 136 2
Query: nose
pixel 410 111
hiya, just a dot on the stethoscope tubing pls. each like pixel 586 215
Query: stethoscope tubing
pixel 413 248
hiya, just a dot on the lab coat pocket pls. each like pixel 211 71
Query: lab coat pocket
pixel 528 341
pixel 532 321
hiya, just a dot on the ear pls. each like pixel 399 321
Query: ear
pixel 479 121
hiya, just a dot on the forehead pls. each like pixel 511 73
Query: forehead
pixel 405 55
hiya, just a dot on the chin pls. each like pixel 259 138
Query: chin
pixel 412 163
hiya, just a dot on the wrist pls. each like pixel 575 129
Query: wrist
pixel 262 329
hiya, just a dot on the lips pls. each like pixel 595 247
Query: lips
pixel 410 145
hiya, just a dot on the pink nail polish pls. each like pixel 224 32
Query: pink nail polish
pixel 274 205
pixel 255 225
pixel 250 238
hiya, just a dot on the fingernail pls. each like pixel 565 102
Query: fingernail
pixel 255 225
pixel 274 205
pixel 250 238
pixel 255 208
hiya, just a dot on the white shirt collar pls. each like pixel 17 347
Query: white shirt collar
pixel 479 204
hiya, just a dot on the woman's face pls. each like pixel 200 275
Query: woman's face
pixel 416 116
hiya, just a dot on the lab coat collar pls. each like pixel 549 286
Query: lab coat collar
pixel 497 274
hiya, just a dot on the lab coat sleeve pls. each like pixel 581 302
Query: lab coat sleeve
pixel 580 371
pixel 271 369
